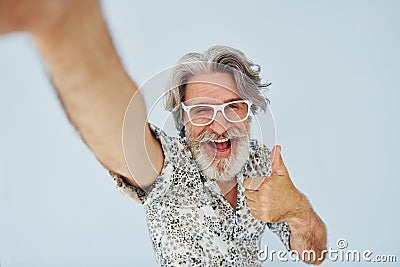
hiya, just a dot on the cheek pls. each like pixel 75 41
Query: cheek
pixel 243 126
pixel 195 131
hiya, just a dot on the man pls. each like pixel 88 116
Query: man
pixel 202 204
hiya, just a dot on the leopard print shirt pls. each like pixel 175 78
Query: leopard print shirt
pixel 189 220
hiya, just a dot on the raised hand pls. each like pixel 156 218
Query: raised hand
pixel 274 198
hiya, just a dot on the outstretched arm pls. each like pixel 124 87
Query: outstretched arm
pixel 91 82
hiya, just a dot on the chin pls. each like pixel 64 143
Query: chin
pixel 222 168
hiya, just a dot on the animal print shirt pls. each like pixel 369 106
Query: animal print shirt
pixel 189 220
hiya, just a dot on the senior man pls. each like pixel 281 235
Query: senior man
pixel 208 194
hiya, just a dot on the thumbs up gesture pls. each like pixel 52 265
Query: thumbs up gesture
pixel 275 198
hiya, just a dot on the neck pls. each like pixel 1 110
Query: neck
pixel 227 186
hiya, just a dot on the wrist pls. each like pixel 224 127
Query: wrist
pixel 75 26
pixel 302 215
pixel 56 18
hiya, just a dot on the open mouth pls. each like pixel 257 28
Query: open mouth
pixel 221 147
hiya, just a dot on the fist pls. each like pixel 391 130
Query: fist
pixel 275 198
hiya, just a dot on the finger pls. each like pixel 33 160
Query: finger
pixel 255 213
pixel 275 155
pixel 278 166
pixel 253 183
pixel 253 205
pixel 251 194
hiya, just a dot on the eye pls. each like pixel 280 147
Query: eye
pixel 201 110
pixel 233 106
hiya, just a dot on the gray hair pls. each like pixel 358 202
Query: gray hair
pixel 216 59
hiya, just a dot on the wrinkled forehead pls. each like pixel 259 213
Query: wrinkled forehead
pixel 212 88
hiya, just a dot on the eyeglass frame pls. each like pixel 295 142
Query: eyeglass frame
pixel 217 108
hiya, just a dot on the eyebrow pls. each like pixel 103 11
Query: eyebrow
pixel 207 102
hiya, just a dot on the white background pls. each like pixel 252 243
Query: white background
pixel 334 66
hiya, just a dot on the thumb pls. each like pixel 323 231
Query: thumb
pixel 278 167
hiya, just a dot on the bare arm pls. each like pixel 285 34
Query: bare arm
pixel 91 83
pixel 276 199
pixel 308 233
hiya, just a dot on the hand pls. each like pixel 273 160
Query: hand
pixel 275 198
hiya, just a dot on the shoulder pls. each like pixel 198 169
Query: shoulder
pixel 173 147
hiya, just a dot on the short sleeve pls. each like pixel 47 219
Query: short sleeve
pixel 130 191
pixel 282 230
pixel 162 182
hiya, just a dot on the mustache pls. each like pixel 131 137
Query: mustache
pixel 210 135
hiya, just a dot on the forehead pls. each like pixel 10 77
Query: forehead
pixel 211 88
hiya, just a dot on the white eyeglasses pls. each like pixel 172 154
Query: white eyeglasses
pixel 204 114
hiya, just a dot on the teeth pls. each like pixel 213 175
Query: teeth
pixel 221 140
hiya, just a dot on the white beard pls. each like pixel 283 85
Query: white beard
pixel 220 169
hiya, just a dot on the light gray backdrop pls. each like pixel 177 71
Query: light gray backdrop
pixel 335 72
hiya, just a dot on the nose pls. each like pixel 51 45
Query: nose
pixel 220 124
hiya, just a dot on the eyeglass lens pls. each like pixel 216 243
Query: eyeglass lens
pixel 234 112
